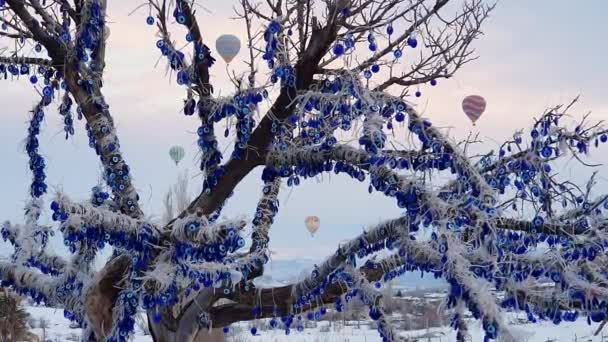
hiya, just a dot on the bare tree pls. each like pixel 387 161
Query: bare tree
pixel 336 67
pixel 43 324
pixel 13 318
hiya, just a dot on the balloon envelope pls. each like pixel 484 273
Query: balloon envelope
pixel 177 153
pixel 473 106
pixel 312 224
pixel 228 46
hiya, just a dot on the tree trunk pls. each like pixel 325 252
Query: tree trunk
pixel 160 333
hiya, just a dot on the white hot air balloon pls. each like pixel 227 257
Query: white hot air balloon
pixel 177 154
pixel 228 46
pixel 312 224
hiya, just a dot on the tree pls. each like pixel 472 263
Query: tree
pixel 13 318
pixel 335 68
pixel 44 324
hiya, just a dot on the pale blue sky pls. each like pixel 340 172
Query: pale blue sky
pixel 534 54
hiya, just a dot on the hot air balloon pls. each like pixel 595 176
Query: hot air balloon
pixel 312 224
pixel 228 46
pixel 473 106
pixel 177 154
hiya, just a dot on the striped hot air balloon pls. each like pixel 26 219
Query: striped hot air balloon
pixel 473 106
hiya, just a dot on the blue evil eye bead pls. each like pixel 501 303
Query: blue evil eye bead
pixel 604 138
pixel 598 316
pixel 538 221
pixel 47 91
pixel 254 331
pixel 226 330
pixel 375 68
pixel 349 44
pixel 33 79
pixel 375 314
pixel 181 18
pixel 55 206
pixel 338 49
pixel 418 93
pixel 491 329
pixel 182 77
pixel 400 117
pixel 433 82
pixel 150 20
pixel 373 47
pixel 274 27
pixel 534 134
pixel 390 30
pixel 546 151
pixel 398 53
pixel 412 42
pixel 38 47
pixel 367 74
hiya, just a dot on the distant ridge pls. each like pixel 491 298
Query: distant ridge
pixel 286 271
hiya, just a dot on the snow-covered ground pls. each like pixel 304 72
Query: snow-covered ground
pixel 59 330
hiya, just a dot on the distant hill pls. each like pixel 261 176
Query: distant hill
pixel 283 272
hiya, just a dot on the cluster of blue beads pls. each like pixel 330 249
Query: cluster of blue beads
pixel 65 111
pixel 98 196
pixel 46 73
pixel 90 35
pixel 175 57
pixel 226 243
pixel 245 122
pixel 36 161
pixel 37 297
pixel 283 72
pixel 125 324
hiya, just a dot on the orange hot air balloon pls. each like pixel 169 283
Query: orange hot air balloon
pixel 312 224
pixel 473 106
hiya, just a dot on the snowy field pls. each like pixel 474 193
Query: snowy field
pixel 59 330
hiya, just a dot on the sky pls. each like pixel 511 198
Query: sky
pixel 533 55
